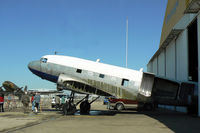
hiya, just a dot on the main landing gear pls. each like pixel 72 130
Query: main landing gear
pixel 85 106
pixel 69 108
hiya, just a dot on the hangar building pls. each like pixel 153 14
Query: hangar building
pixel 178 56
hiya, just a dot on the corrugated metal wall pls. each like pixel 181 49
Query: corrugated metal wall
pixel 172 62
pixel 161 64
pixel 150 67
pixel 155 70
pixel 182 57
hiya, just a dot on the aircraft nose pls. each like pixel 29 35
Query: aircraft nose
pixel 34 66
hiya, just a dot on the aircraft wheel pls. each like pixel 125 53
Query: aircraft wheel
pixel 69 109
pixel 119 106
pixel 65 108
pixel 148 107
pixel 85 107
pixel 72 109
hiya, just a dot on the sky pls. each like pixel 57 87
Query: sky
pixel 88 29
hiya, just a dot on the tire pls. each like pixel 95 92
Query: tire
pixel 72 109
pixel 65 108
pixel 69 109
pixel 148 107
pixel 85 107
pixel 52 106
pixel 119 107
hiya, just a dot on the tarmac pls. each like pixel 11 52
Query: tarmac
pixel 100 120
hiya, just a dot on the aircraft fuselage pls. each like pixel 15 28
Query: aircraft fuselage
pixel 84 76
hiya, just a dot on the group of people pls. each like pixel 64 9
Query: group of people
pixel 2 101
pixel 35 100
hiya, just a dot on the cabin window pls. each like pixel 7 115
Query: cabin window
pixel 44 60
pixel 101 75
pixel 125 82
pixel 79 71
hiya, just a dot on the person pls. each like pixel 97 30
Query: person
pixel 25 102
pixel 37 101
pixel 63 100
pixel 9 99
pixel 57 102
pixel 1 102
pixel 108 104
pixel 53 102
pixel 33 102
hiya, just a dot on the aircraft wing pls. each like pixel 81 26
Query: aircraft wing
pixel 78 86
pixel 44 92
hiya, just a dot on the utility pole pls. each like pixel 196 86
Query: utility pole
pixel 127 41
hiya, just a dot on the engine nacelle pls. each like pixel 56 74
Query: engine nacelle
pixel 61 79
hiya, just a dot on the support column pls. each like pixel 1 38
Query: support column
pixel 198 31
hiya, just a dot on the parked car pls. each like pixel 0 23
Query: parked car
pixel 121 104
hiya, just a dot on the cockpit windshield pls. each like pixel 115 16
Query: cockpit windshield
pixel 44 60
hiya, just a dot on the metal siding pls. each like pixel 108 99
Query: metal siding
pixel 170 60
pixel 182 56
pixel 150 67
pixel 155 65
pixel 161 64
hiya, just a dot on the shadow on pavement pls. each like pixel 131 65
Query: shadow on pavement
pixel 176 121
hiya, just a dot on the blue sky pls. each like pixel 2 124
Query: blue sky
pixel 88 29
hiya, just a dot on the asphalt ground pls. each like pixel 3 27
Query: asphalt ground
pixel 100 120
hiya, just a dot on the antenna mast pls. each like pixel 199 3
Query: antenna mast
pixel 127 41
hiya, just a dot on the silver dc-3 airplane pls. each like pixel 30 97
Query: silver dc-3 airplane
pixel 87 77
pixel 90 77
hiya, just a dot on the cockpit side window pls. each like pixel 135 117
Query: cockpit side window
pixel 44 60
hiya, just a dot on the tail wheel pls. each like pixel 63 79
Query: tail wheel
pixel 119 106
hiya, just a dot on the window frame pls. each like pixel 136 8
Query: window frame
pixel 101 76
pixel 125 82
pixel 44 60
pixel 79 70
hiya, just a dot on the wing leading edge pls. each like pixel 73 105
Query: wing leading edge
pixel 77 85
